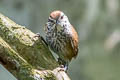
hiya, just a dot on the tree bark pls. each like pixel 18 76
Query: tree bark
pixel 27 57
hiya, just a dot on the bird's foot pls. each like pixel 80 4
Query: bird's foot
pixel 63 65
pixel 39 36
pixel 63 68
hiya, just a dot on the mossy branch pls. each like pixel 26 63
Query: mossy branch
pixel 26 56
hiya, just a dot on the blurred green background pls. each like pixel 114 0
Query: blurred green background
pixel 96 21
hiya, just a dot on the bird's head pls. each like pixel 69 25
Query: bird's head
pixel 58 17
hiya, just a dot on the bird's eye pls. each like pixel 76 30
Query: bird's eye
pixel 50 16
pixel 61 17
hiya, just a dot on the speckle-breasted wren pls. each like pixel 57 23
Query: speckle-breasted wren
pixel 61 37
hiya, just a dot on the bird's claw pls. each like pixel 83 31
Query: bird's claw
pixel 63 68
pixel 37 35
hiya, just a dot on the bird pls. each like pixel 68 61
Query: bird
pixel 61 37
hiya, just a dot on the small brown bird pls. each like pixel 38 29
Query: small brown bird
pixel 61 37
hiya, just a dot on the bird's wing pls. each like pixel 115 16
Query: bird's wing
pixel 74 41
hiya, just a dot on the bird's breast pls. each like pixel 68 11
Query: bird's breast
pixel 56 38
pixel 59 40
